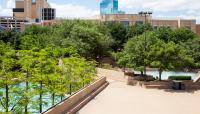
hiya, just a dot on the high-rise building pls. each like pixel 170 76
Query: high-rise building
pixel 109 7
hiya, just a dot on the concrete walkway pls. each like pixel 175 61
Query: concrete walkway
pixel 119 98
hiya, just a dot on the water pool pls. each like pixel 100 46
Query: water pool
pixel 33 106
pixel 166 74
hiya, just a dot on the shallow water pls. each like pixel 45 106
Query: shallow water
pixel 166 74
pixel 47 103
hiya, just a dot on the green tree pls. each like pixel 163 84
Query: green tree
pixel 182 35
pixel 35 37
pixel 168 56
pixel 11 36
pixel 164 33
pixel 118 33
pixel 34 70
pixel 123 59
pixel 27 60
pixel 89 42
pixel 193 47
pixel 9 74
pixel 134 54
pixel 89 38
pixel 56 82
pixel 79 72
pixel 44 67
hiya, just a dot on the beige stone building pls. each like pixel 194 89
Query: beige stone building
pixel 198 28
pixel 33 10
pixel 175 23
pixel 131 19
pixel 27 12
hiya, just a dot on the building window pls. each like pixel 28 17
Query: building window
pixel 188 27
pixel 48 14
pixel 155 27
pixel 125 23
pixel 139 22
pixel 18 9
pixel 33 1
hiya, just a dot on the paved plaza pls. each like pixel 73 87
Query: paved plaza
pixel 119 98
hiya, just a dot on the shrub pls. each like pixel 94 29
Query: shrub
pixel 144 78
pixel 180 78
pixel 107 66
pixel 129 73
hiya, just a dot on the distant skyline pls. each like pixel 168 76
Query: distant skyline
pixel 187 9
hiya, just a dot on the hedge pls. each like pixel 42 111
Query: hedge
pixel 180 78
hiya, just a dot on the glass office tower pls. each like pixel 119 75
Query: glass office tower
pixel 109 7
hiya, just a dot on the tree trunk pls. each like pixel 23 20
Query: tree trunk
pixel 27 84
pixel 61 97
pixel 53 99
pixel 160 73
pixel 70 89
pixel 145 71
pixel 7 98
pixel 124 69
pixel 83 84
pixel 142 73
pixel 41 96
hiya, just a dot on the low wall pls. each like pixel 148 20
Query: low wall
pixel 167 84
pixel 190 85
pixel 78 100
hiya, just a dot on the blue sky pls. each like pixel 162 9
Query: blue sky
pixel 93 4
pixel 187 9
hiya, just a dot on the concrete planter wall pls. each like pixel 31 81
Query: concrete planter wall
pixel 167 84
pixel 78 100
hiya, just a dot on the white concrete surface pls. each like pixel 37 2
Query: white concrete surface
pixel 119 98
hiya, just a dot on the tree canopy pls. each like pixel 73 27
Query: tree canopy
pixel 164 48
pixel 50 62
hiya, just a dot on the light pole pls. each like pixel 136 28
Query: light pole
pixel 145 14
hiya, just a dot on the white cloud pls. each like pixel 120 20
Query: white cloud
pixel 10 4
pixel 161 5
pixel 62 10
pixel 173 8
pixel 6 9
pixel 5 12
pixel 73 11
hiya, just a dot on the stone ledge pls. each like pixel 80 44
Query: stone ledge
pixel 78 100
pixel 86 100
pixel 167 84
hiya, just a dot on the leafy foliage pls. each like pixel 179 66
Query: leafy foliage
pixel 193 48
pixel 10 36
pixel 180 78
pixel 168 56
pixel 87 38
pixel 182 35
pixel 134 54
pixel 35 71
pixel 165 49
pixel 50 62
